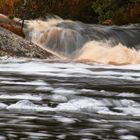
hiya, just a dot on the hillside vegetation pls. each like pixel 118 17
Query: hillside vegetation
pixel 90 11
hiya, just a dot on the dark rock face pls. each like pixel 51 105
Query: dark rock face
pixel 13 45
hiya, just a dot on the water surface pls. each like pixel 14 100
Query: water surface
pixel 42 99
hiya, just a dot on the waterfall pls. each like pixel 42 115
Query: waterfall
pixel 86 42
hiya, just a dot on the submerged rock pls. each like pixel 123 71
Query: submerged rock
pixel 16 46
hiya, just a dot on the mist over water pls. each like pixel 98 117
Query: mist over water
pixel 86 42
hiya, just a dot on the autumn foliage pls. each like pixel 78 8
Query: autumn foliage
pixel 90 11
pixel 7 7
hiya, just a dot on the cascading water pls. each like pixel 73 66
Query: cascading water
pixel 86 42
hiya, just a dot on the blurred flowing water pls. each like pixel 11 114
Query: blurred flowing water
pixel 45 99
pixel 74 40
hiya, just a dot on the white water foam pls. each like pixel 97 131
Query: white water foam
pixel 78 105
pixel 102 52
pixel 3 106
pixel 68 70
pixel 28 106
pixel 128 137
pixel 32 83
pixel 21 97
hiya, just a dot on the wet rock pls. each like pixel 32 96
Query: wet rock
pixel 107 22
pixel 16 46
pixel 12 25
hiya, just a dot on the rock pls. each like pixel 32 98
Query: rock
pixel 15 29
pixel 12 25
pixel 107 22
pixel 16 46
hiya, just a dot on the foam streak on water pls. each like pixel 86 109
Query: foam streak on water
pixel 38 98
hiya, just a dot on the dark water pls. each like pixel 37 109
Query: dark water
pixel 42 100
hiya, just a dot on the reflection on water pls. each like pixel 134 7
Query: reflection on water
pixel 60 100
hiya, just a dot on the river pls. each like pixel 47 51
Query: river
pixel 47 99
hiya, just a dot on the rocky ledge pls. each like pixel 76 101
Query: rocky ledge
pixel 16 46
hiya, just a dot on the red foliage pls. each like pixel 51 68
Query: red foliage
pixel 7 7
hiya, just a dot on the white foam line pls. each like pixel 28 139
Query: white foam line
pixel 21 97
pixel 24 83
pixel 68 70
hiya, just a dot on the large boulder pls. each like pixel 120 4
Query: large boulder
pixel 16 46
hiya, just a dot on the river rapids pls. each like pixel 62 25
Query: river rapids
pixel 91 93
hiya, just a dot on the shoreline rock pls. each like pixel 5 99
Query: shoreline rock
pixel 16 46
